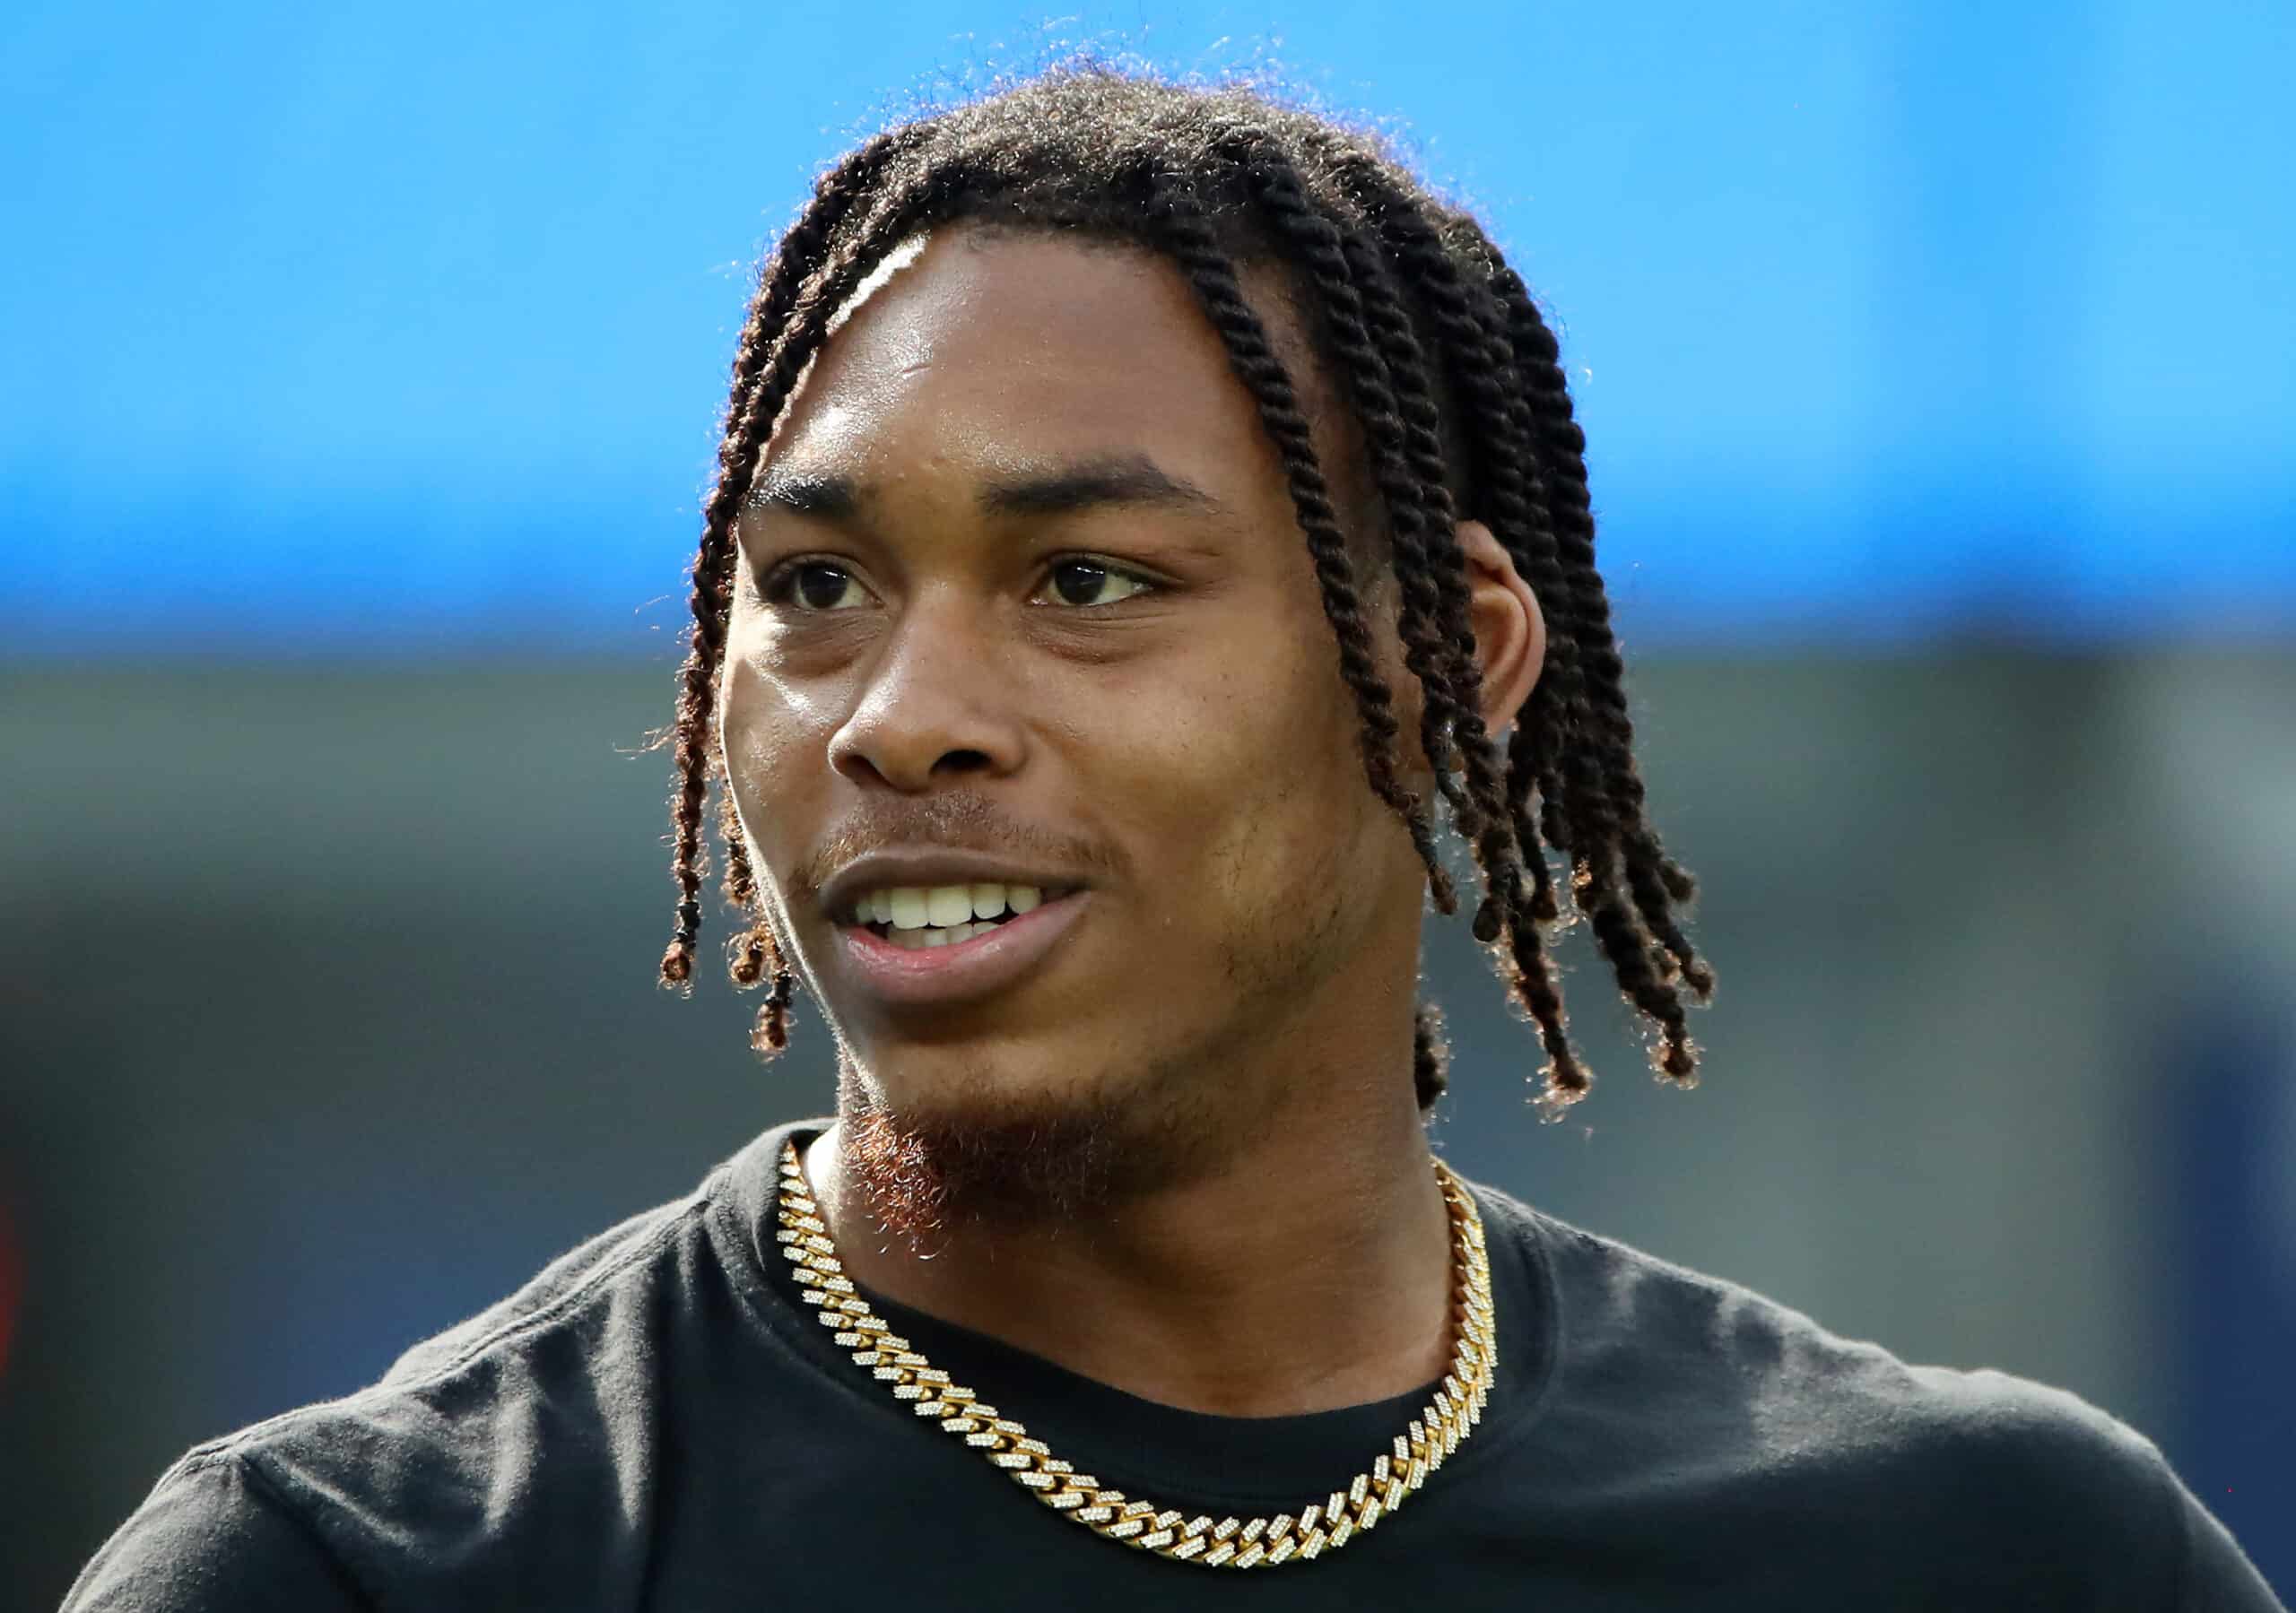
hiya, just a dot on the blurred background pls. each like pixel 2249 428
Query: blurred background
pixel 362 370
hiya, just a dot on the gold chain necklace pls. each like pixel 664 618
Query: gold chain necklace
pixel 1326 1525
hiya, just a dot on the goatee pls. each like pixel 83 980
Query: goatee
pixel 928 1173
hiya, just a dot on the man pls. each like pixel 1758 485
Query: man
pixel 1137 505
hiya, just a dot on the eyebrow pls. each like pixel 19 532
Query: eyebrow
pixel 1116 480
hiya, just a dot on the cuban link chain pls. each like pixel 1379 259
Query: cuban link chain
pixel 1321 1526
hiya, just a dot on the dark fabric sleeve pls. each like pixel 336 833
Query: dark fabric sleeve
pixel 212 1536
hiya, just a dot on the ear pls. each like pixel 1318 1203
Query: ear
pixel 1510 628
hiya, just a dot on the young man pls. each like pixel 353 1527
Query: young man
pixel 1136 505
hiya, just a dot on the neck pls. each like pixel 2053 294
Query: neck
pixel 1310 1270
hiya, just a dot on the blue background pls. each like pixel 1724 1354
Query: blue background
pixel 403 330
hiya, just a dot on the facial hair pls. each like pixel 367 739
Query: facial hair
pixel 928 1172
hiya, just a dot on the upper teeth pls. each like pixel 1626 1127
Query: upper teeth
pixel 917 906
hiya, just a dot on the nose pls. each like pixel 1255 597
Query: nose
pixel 937 705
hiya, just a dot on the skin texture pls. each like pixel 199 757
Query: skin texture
pixel 1234 1210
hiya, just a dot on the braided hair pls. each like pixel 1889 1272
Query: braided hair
pixel 1439 351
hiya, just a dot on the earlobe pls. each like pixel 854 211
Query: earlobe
pixel 1510 628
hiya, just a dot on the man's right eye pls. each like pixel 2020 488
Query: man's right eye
pixel 811 585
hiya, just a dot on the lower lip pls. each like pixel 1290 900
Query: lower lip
pixel 962 970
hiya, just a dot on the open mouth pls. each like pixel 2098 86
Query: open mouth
pixel 935 935
pixel 917 919
pixel 907 959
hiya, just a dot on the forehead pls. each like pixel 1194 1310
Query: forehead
pixel 980 350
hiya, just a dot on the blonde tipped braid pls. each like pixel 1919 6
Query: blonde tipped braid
pixel 1321 1526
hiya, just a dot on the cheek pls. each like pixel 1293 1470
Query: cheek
pixel 775 743
pixel 1241 797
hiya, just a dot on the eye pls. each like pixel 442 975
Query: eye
pixel 1079 581
pixel 813 585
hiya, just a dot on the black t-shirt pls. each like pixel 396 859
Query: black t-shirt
pixel 656 1421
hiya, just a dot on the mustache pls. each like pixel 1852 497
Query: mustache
pixel 958 820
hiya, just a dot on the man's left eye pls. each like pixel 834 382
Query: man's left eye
pixel 1079 582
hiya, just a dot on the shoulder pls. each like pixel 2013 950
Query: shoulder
pixel 213 1535
pixel 1675 1379
pixel 526 1428
pixel 1630 1316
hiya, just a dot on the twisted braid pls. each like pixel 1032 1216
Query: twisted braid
pixel 796 257
pixel 1592 803
pixel 1363 370
pixel 843 185
pixel 786 326
pixel 1378 356
pixel 1191 240
pixel 1497 435
pixel 1654 880
pixel 1478 367
pixel 1182 223
pixel 1505 839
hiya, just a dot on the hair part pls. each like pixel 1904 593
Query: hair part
pixel 1436 347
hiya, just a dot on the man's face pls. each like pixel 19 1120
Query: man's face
pixel 1134 686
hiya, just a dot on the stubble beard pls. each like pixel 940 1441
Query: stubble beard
pixel 1005 1163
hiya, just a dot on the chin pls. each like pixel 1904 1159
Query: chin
pixel 997 1145
pixel 1006 1114
pixel 923 1081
